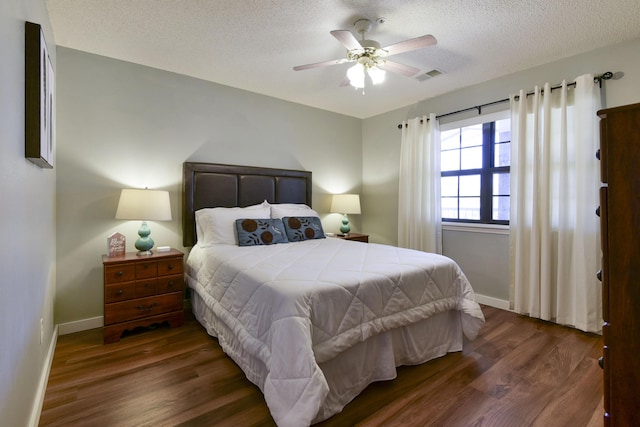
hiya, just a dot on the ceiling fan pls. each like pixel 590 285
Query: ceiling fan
pixel 369 57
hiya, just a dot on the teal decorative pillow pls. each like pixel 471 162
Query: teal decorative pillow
pixel 252 232
pixel 300 228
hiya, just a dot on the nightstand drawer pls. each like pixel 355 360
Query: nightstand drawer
pixel 119 292
pixel 170 266
pixel 146 269
pixel 118 273
pixel 170 283
pixel 146 288
pixel 142 307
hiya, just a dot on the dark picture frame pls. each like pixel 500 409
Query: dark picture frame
pixel 39 91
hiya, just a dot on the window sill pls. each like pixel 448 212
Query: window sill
pixel 476 228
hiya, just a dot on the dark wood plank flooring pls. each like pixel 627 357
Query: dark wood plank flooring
pixel 518 372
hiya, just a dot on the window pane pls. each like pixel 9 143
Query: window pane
pixel 470 185
pixel 471 136
pixel 502 154
pixel 470 208
pixel 503 130
pixel 500 208
pixel 501 184
pixel 450 160
pixel 450 139
pixel 471 158
pixel 449 207
pixel 449 186
pixel 473 189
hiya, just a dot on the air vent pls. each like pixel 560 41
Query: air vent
pixel 429 75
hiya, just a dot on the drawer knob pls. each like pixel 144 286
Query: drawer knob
pixel 598 211
pixel 601 362
pixel 598 154
pixel 170 266
pixel 119 273
pixel 170 284
pixel 599 275
pixel 119 292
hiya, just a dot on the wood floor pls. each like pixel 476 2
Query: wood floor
pixel 518 372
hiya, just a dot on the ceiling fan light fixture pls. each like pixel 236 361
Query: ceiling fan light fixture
pixel 370 59
pixel 355 75
pixel 377 74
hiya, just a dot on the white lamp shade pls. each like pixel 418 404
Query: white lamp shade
pixel 376 74
pixel 345 203
pixel 152 205
pixel 355 75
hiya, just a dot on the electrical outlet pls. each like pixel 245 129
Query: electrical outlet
pixel 41 330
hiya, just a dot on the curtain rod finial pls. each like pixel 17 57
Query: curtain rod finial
pixel 604 76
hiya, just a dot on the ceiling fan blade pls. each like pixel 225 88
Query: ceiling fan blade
pixel 394 67
pixel 411 44
pixel 319 64
pixel 347 39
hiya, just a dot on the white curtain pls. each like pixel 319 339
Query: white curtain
pixel 419 215
pixel 555 180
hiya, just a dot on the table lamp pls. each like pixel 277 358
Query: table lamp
pixel 345 204
pixel 144 205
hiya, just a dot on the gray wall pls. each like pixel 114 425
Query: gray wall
pixel 27 253
pixel 124 125
pixel 381 154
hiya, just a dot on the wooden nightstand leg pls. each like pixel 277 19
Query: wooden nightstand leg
pixel 175 319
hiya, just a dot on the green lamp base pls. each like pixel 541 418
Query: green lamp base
pixel 144 243
pixel 345 228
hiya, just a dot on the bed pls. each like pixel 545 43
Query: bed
pixel 311 320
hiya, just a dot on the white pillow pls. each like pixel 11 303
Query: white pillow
pixel 218 225
pixel 291 209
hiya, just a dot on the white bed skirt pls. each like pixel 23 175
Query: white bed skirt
pixel 349 373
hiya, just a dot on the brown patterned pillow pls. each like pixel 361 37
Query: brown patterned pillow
pixel 301 228
pixel 253 232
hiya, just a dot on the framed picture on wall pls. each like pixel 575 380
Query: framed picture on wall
pixel 39 85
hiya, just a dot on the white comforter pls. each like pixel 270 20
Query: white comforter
pixel 292 306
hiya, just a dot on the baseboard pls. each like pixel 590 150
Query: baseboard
pixel 36 410
pixel 81 325
pixel 493 302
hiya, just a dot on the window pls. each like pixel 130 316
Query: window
pixel 475 163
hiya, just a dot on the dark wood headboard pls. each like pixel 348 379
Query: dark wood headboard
pixel 210 185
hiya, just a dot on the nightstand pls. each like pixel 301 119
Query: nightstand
pixel 142 290
pixel 354 236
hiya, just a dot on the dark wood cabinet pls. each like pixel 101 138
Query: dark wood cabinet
pixel 142 290
pixel 620 228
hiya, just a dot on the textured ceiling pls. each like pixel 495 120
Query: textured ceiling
pixel 253 44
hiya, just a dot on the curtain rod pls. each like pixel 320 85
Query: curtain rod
pixel 596 79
